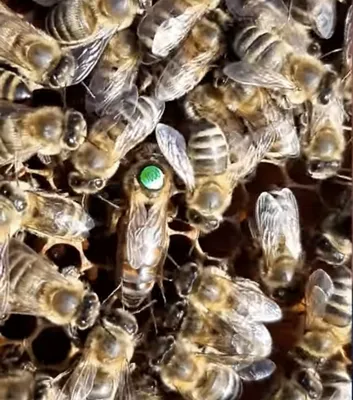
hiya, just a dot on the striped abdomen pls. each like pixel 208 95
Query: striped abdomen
pixel 13 87
pixel 208 152
pixel 258 46
pixel 220 383
pixel 10 141
pixel 71 21
pixel 336 380
pixel 339 307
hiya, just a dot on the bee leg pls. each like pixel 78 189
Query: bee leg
pixel 48 174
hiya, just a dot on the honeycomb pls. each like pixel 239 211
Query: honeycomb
pixel 50 348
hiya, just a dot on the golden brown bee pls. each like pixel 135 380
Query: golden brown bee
pixel 33 53
pixel 109 140
pixel 31 284
pixel 115 72
pixel 278 59
pixel 143 230
pixel 169 22
pixel 191 62
pixel 52 216
pixel 329 318
pixel 13 87
pixel 183 368
pixel 224 104
pixel 206 169
pixel 105 360
pixel 323 140
pixel 278 230
pixel 26 131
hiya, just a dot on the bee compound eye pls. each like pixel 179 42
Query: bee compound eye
pixel 20 204
pixel 151 177
pixel 5 190
pixel 98 183
pixel 65 302
pixel 63 73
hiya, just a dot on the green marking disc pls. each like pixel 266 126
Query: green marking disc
pixel 152 177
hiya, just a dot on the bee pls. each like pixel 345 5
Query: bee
pixel 334 245
pixel 109 140
pixel 31 284
pixel 237 302
pixel 191 62
pixel 323 141
pixel 116 70
pixel 329 319
pixel 320 16
pixel 143 233
pixel 105 359
pixel 247 341
pixel 277 222
pixel 26 131
pixel 169 22
pixel 183 368
pixel 13 87
pixel 276 60
pixel 206 170
pixel 337 383
pixel 85 28
pixel 34 54
pixel 17 383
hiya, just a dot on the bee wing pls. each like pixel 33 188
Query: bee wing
pixel 290 221
pixel 348 37
pixel 249 74
pixel 87 55
pixel 172 31
pixel 249 154
pixel 173 146
pixel 126 104
pixel 268 216
pixel 258 370
pixel 125 389
pixel 318 292
pixel 80 383
pixel 324 16
pixel 4 279
pixel 145 232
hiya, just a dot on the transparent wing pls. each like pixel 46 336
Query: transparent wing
pixel 4 280
pixel 145 232
pixel 175 81
pixel 80 383
pixel 348 37
pixel 290 221
pixel 323 14
pixel 87 55
pixel 172 31
pixel 249 74
pixel 258 370
pixel 125 389
pixel 317 293
pixel 250 152
pixel 173 146
pixel 268 216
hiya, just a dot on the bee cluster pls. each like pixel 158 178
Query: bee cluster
pixel 175 199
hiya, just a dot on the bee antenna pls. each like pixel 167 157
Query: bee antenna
pixel 88 90
pixel 331 52
pixel 144 307
pixel 111 297
pixel 108 201
pixel 173 261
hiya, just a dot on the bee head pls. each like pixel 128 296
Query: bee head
pixel 205 224
pixel 331 249
pixel 62 75
pixel 310 382
pixel 175 316
pixel 328 87
pixel 15 196
pixel 88 311
pixel 319 169
pixel 85 186
pixel 122 319
pixel 161 351
pixel 75 130
pixel 185 278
